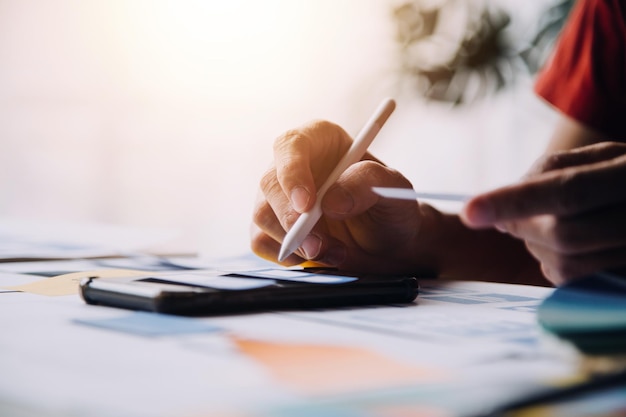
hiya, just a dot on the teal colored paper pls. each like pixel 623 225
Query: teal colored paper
pixel 590 313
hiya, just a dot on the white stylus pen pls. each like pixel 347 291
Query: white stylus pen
pixel 303 226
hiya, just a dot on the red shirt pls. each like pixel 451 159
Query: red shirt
pixel 586 76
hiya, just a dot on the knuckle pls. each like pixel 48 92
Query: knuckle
pixel 300 135
pixel 381 174
pixel 303 134
pixel 268 180
pixel 320 125
pixel 288 139
pixel 262 214
pixel 397 177
pixel 373 170
pixel 551 161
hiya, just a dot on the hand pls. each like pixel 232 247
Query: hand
pixel 358 231
pixel 570 211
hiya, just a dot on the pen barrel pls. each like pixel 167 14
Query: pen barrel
pixel 307 220
pixel 352 156
pixel 360 144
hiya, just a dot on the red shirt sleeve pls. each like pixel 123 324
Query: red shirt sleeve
pixel 586 76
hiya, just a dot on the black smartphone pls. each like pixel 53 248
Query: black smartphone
pixel 209 292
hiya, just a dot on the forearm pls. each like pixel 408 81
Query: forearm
pixel 570 134
pixel 484 255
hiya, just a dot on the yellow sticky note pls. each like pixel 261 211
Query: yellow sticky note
pixel 67 284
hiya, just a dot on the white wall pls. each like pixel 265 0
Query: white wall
pixel 162 113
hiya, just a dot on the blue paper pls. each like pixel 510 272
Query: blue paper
pixel 151 324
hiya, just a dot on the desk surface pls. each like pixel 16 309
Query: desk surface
pixel 462 348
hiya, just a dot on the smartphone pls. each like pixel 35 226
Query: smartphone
pixel 209 292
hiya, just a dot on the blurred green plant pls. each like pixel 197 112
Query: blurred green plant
pixel 459 51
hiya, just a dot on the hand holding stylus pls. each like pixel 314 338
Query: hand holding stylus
pixel 307 220
pixel 358 230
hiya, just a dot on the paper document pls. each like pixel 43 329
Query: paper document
pixel 460 347
pixel 27 239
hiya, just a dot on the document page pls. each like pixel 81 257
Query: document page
pixel 461 347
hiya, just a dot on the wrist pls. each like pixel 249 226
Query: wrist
pixel 452 250
pixel 428 245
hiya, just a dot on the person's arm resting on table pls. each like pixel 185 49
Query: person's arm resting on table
pixel 570 208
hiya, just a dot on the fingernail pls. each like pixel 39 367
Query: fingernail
pixel 481 213
pixel 299 198
pixel 337 200
pixel 311 246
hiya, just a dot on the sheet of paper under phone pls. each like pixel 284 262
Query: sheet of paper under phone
pixel 218 292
